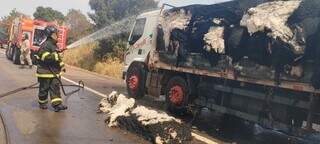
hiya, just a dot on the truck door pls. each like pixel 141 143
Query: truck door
pixel 139 42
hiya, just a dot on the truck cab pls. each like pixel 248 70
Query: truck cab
pixel 140 39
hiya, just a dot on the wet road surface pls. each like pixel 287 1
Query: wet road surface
pixel 81 124
pixel 27 124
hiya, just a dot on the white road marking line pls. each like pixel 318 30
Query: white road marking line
pixel 85 87
pixel 198 137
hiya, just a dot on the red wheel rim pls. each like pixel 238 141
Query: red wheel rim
pixel 133 82
pixel 176 95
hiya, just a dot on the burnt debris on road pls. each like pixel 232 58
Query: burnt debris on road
pixel 153 125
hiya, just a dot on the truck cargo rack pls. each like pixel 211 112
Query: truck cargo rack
pixel 231 75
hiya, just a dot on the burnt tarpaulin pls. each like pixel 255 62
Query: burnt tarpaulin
pixel 279 34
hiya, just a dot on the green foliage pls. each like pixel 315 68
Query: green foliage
pixel 48 14
pixel 109 11
pixel 79 26
pixel 114 47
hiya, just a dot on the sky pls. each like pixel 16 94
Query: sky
pixel 29 6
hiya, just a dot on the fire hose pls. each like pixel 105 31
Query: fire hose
pixel 34 86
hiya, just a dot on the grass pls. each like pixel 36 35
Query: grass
pixel 83 57
pixel 111 67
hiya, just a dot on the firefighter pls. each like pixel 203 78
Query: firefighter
pixel 25 52
pixel 49 70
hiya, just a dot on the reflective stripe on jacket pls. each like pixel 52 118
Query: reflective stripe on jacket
pixel 49 61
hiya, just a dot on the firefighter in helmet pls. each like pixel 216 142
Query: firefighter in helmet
pixel 25 52
pixel 49 70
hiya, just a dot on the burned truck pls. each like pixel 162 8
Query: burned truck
pixel 258 61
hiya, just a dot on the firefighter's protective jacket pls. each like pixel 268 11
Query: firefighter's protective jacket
pixel 25 47
pixel 49 61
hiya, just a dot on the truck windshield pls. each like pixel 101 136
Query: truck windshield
pixel 38 37
pixel 137 31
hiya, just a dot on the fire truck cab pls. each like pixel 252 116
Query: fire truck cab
pixel 35 30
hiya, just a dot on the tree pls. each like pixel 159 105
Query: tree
pixel 78 24
pixel 48 14
pixel 7 20
pixel 109 11
pixel 112 47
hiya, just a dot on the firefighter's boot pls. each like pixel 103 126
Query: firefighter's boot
pixel 60 107
pixel 43 106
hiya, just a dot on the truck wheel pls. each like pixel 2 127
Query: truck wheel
pixel 16 56
pixel 177 95
pixel 9 53
pixel 135 81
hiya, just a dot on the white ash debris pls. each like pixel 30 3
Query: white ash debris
pixel 179 20
pixel 148 116
pixel 217 21
pixel 106 103
pixel 214 40
pixel 153 125
pixel 115 106
pixel 273 16
pixel 294 71
pixel 174 20
pixel 158 140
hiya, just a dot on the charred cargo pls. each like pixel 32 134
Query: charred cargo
pixel 278 37
pixel 257 60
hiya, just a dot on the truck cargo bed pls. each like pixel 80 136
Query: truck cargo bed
pixel 249 74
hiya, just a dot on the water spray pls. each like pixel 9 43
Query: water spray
pixel 106 32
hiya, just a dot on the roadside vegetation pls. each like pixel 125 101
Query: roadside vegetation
pixel 84 57
pixel 105 56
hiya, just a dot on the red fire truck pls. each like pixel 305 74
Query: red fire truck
pixel 35 30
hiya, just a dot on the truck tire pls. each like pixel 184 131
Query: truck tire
pixel 177 95
pixel 135 81
pixel 16 56
pixel 9 53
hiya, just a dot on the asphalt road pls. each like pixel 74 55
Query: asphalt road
pixel 81 124
pixel 27 124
